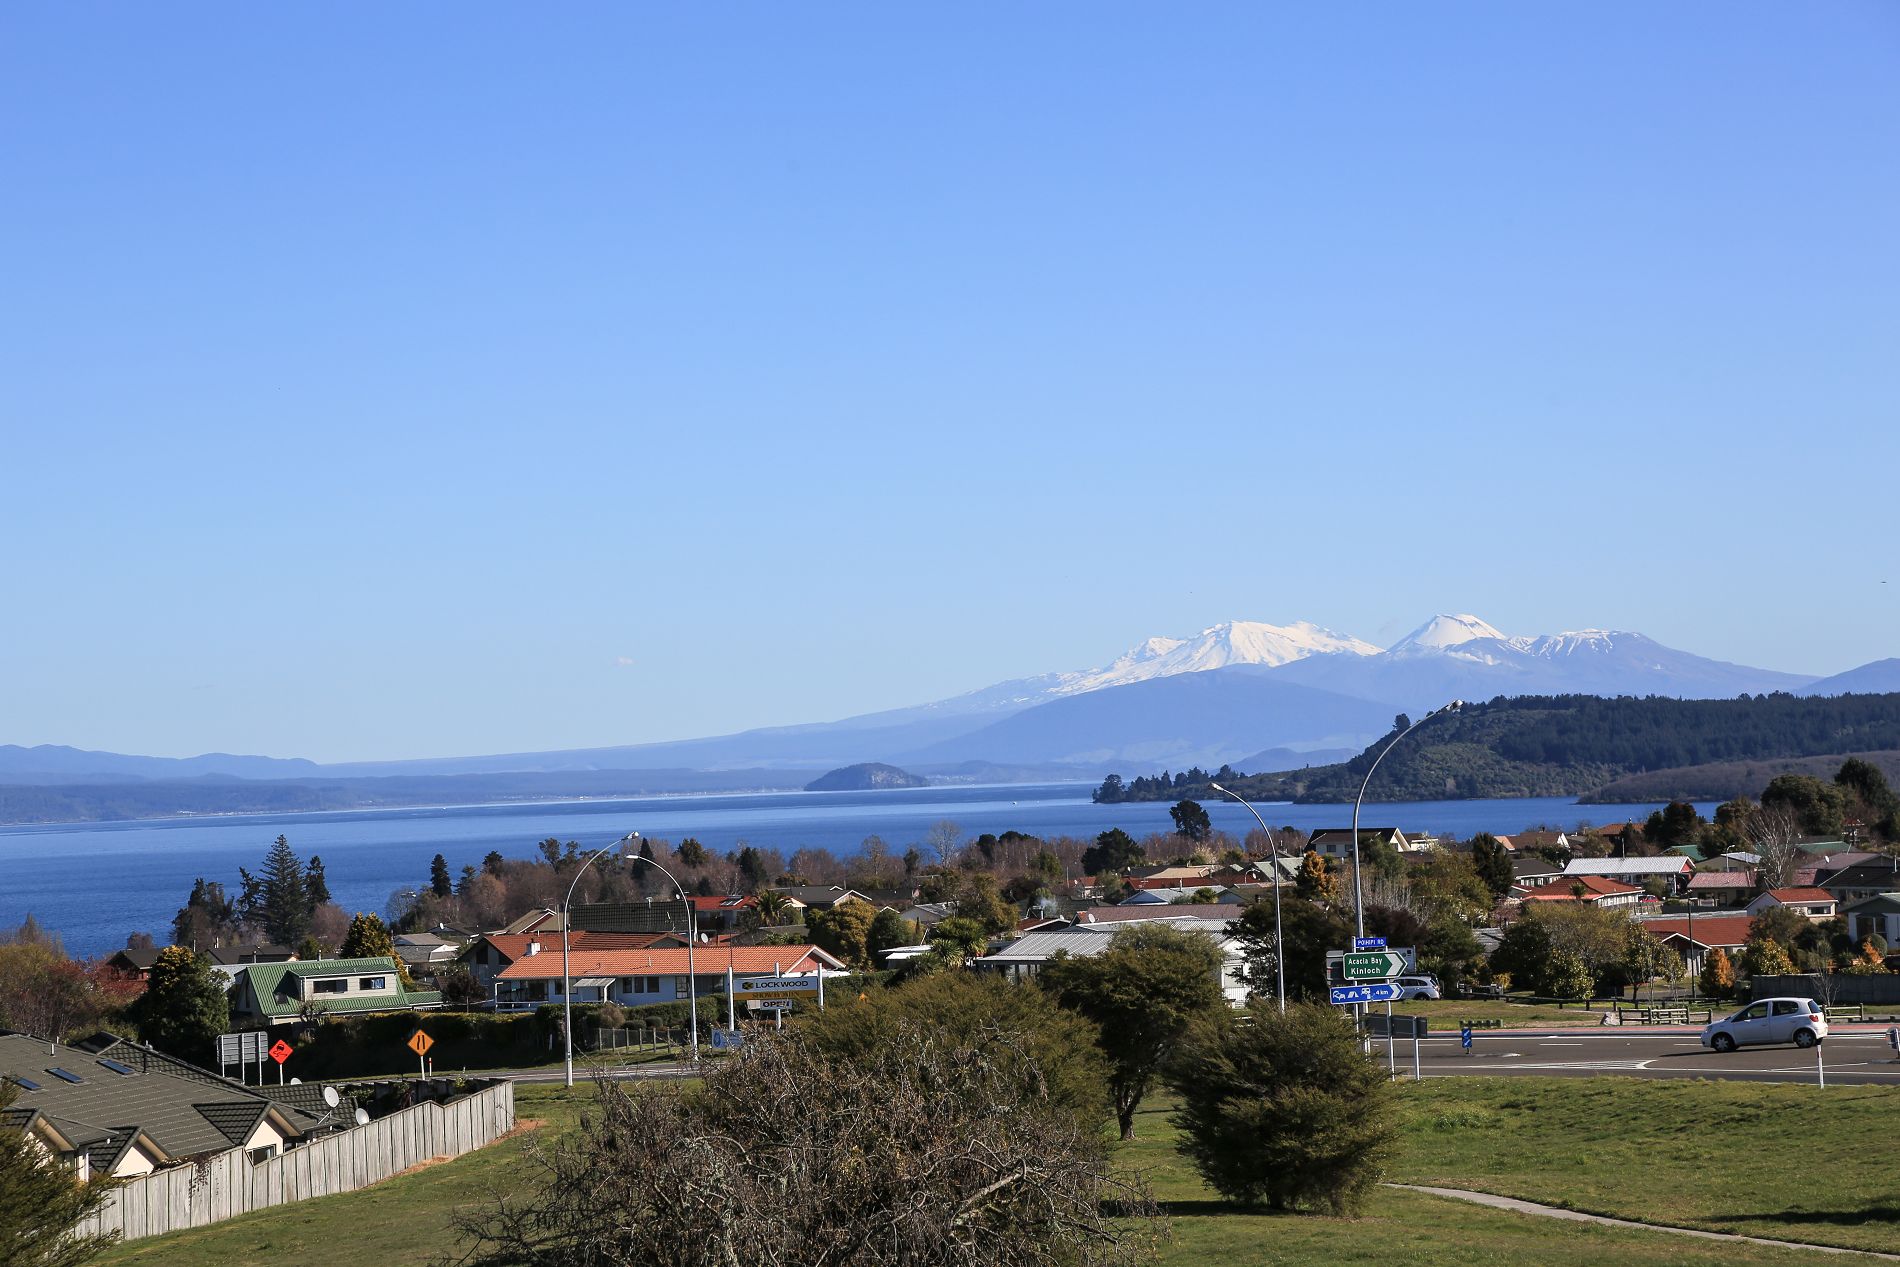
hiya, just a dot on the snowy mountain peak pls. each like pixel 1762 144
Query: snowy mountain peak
pixel 1216 647
pixel 1443 631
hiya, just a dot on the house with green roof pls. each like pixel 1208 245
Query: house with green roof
pixel 280 993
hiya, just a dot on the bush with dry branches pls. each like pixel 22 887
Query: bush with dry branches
pixel 931 1150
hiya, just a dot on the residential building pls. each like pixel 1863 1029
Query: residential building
pixel 1025 957
pixel 122 1115
pixel 1217 912
pixel 1672 868
pixel 1877 916
pixel 488 954
pixel 1528 871
pixel 1592 890
pixel 1815 904
pixel 1694 936
pixel 1862 879
pixel 634 977
pixel 1336 842
pixel 722 910
pixel 281 993
pixel 818 897
pixel 1722 888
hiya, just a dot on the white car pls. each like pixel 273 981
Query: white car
pixel 1418 988
pixel 1789 1020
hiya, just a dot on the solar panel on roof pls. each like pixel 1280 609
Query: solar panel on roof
pixel 65 1075
pixel 115 1066
pixel 26 1083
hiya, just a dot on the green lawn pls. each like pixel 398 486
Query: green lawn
pixel 1791 1162
pixel 1513 1137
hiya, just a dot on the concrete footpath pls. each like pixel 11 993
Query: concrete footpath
pixel 1556 1212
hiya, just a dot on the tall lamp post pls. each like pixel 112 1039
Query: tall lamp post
pixel 1279 954
pixel 1358 887
pixel 692 937
pixel 567 985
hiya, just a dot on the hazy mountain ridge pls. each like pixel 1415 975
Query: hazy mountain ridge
pixel 1005 725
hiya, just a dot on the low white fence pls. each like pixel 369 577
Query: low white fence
pixel 228 1184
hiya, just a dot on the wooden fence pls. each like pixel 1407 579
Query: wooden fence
pixel 226 1185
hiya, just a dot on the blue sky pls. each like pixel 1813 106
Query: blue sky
pixel 382 382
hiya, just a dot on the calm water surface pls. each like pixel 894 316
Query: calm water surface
pixel 95 882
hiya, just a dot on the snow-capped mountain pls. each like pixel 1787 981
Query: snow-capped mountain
pixel 1230 643
pixel 1462 656
pixel 1441 633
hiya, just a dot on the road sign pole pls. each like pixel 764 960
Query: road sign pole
pixel 732 1018
pixel 1391 1065
pixel 1418 1074
pixel 1820 1069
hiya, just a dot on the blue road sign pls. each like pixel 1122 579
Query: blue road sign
pixel 1370 992
pixel 1464 1037
pixel 1368 943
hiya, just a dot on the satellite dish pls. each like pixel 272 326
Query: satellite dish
pixel 330 1097
pixel 362 1117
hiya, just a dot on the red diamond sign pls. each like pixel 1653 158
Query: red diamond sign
pixel 280 1051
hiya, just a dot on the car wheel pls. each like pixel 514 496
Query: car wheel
pixel 1722 1042
pixel 1804 1038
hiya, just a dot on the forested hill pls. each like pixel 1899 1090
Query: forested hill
pixel 1565 745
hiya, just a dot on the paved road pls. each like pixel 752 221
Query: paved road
pixel 1850 1057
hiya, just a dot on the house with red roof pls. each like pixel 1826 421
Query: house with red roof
pixel 489 954
pixel 654 975
pixel 1694 936
pixel 1594 890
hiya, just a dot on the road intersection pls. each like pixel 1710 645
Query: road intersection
pixel 1850 1057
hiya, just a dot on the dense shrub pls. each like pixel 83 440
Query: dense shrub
pixel 1286 1112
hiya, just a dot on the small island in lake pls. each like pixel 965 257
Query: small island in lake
pixel 866 776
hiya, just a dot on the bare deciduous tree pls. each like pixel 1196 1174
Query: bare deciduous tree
pixel 1774 833
pixel 929 1152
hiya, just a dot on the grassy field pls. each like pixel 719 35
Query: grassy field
pixel 1791 1162
pixel 1794 1163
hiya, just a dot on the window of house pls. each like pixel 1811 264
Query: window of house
pixel 679 987
pixel 372 983
pixel 261 1154
pixel 335 985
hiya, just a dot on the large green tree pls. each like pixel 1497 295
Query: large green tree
pixel 1311 930
pixel 184 1007
pixel 369 938
pixel 40 1205
pixel 1113 850
pixel 1191 820
pixel 1286 1111
pixel 1493 864
pixel 1144 991
pixel 277 902
pixel 844 930
pixel 1818 807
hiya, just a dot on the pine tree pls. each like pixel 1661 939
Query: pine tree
pixel 439 877
pixel 184 1007
pixel 315 886
pixel 369 938
pixel 284 908
pixel 40 1204
pixel 1493 863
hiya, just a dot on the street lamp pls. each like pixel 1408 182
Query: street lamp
pixel 567 985
pixel 1358 888
pixel 1279 954
pixel 692 937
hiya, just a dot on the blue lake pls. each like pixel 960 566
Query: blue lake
pixel 93 883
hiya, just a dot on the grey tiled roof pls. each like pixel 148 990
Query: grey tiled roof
pixel 184 1116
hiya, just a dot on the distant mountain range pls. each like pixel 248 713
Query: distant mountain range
pixel 1231 693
